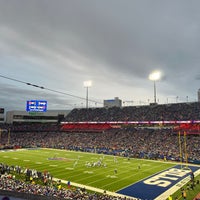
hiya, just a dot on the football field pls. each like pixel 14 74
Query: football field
pixel 110 173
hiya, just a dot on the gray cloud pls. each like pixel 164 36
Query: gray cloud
pixel 116 44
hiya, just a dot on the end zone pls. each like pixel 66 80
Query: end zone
pixel 160 185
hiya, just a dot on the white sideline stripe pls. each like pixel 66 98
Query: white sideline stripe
pixel 94 189
pixel 176 187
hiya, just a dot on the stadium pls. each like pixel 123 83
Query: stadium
pixel 134 152
pixel 99 100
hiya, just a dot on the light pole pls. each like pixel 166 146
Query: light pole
pixel 87 84
pixel 154 76
pixel 176 99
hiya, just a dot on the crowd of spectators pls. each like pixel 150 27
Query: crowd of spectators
pixel 139 143
pixel 28 127
pixel 167 112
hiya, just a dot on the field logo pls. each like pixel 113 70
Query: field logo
pixel 157 184
pixel 166 178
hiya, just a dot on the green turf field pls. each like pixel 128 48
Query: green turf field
pixel 114 173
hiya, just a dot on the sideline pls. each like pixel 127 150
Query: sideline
pixel 95 189
pixel 176 187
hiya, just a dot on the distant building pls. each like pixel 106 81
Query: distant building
pixel 116 102
pixel 1 115
pixel 51 116
pixel 199 95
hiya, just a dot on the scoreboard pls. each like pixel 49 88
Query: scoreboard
pixel 36 106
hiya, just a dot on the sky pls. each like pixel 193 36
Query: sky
pixel 116 44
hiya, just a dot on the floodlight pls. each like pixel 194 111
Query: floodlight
pixel 154 76
pixel 87 84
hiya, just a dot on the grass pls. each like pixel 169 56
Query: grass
pixel 190 193
pixel 71 166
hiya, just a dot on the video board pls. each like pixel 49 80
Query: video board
pixel 36 106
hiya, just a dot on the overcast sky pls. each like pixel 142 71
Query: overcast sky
pixel 59 44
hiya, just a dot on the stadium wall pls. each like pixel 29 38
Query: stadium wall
pixel 51 116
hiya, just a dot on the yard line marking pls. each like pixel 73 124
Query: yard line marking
pixel 111 176
pixel 88 172
pixel 38 162
pixel 146 165
pixel 69 168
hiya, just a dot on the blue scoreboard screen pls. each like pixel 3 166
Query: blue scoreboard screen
pixel 36 106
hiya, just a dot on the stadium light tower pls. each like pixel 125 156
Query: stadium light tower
pixel 154 76
pixel 87 84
